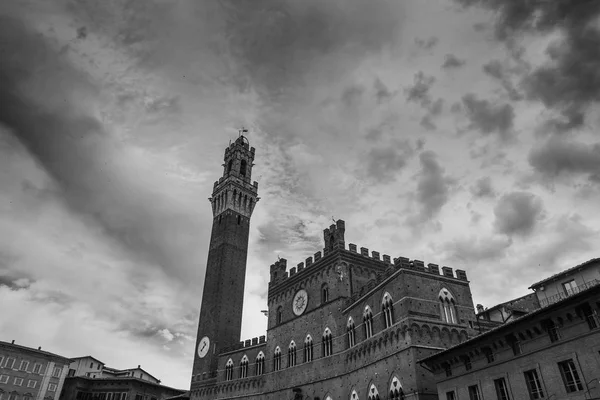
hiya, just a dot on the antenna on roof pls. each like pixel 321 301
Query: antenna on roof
pixel 334 221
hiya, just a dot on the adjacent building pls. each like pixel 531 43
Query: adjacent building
pixel 30 374
pixel 552 352
pixel 91 367
pixel 345 323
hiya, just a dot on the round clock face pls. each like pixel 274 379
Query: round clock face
pixel 203 346
pixel 300 302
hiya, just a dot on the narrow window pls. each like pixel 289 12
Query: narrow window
pixel 474 393
pixel 550 327
pixel 489 354
pixel 570 287
pixel 327 343
pixel 501 389
pixel 91 365
pixel 450 395
pixel 239 218
pixel 447 306
pixel 368 321
pixel 279 315
pixel 351 332
pixel 308 349
pixel 570 376
pixel 229 370
pixel 244 367
pixel 324 293
pixel 229 166
pixel 515 344
pixel 243 168
pixel 534 387
pixel 292 354
pixel 387 309
pixel 467 363
pixel 277 359
pixel 260 364
pixel 448 369
pixel 585 311
pixel 24 365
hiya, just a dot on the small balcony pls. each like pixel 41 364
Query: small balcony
pixel 563 295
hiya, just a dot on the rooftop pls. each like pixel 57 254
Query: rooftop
pixel 38 351
pixel 565 272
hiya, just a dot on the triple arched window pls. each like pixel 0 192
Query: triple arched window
pixel 277 359
pixel 387 309
pixel 260 363
pixel 229 370
pixel 327 343
pixel 368 321
pixel 244 367
pixel 292 354
pixel 447 306
pixel 373 393
pixel 308 349
pixel 350 329
pixel 396 392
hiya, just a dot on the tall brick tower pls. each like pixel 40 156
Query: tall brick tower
pixel 233 199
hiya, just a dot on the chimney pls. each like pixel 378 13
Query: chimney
pixel 139 366
pixel 40 347
pixel 13 342
pixel 479 308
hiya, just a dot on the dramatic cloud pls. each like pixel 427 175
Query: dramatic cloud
pixel 383 163
pixel 452 61
pixel 517 213
pixel 483 188
pixel 433 186
pixel 419 92
pixel 559 157
pixel 500 72
pixel 477 248
pixel 489 118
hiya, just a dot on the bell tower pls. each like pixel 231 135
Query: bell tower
pixel 233 199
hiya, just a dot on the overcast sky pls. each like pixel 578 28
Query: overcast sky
pixel 458 132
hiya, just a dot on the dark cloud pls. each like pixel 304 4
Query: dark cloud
pixel 44 104
pixel 426 44
pixel 433 186
pixel 452 61
pixel 384 163
pixel 499 71
pixel 483 188
pixel 571 80
pixel 517 213
pixel 419 92
pixel 559 157
pixel 489 118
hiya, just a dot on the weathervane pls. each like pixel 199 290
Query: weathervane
pixel 243 130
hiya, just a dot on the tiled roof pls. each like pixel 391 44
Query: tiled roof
pixel 32 350
pixel 550 278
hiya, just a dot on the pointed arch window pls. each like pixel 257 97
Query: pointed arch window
pixel 373 393
pixel 328 397
pixel 244 367
pixel 368 322
pixel 229 166
pixel 324 293
pixel 277 359
pixel 279 315
pixel 350 329
pixel 308 349
pixel 260 364
pixel 354 395
pixel 396 392
pixel 327 343
pixel 447 306
pixel 387 309
pixel 243 168
pixel 292 354
pixel 229 370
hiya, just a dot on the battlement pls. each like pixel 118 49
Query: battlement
pixel 375 255
pixel 241 143
pixel 256 341
pixel 334 236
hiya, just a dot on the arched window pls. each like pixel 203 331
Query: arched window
pixel 243 168
pixel 354 395
pixel 324 293
pixel 447 306
pixel 292 354
pixel 368 321
pixel 327 343
pixel 279 314
pixel 308 349
pixel 260 364
pixel 373 393
pixel 229 370
pixel 387 309
pixel 229 165
pixel 328 397
pixel 351 332
pixel 396 392
pixel 277 359
pixel 244 367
